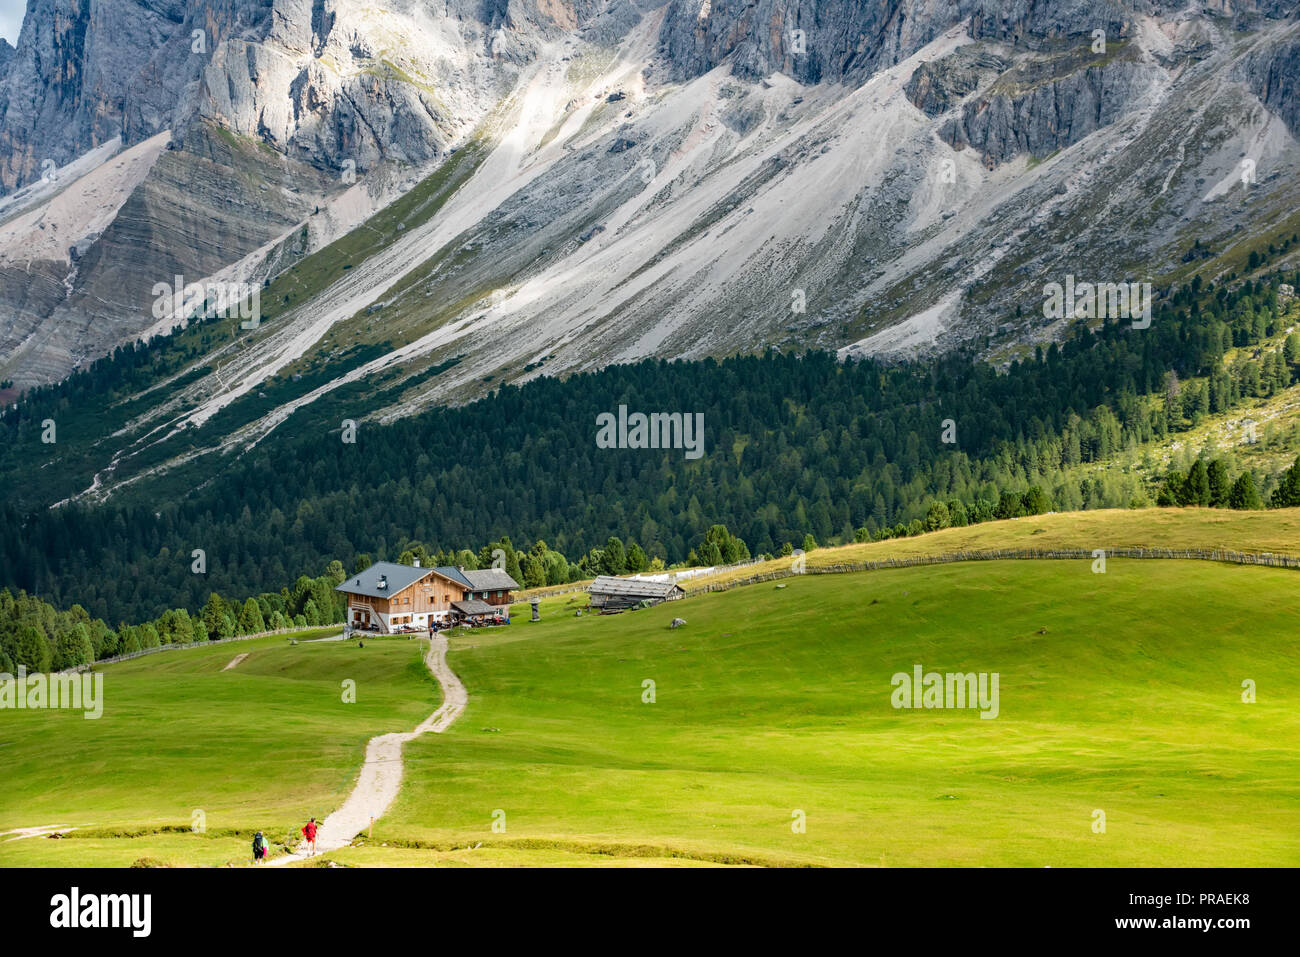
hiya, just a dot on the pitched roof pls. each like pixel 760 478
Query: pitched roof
pixel 400 577
pixel 472 606
pixel 454 573
pixel 490 579
pixel 632 587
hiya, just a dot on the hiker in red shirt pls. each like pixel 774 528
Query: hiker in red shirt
pixel 309 832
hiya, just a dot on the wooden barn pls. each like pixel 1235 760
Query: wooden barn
pixel 609 593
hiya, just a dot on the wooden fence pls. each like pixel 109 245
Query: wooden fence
pixel 1012 554
pixel 188 644
pixel 552 591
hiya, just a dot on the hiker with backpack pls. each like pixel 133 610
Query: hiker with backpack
pixel 309 832
pixel 259 848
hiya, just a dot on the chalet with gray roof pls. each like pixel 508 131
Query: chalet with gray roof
pixel 389 597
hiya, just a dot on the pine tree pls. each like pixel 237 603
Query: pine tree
pixel 334 572
pixel 636 559
pixel 1010 505
pixel 613 560
pixel 213 613
pixel 1172 492
pixel 1036 502
pixel 1287 494
pixel 937 517
pixel 1220 483
pixel 250 619
pixel 1244 494
pixel 534 571
pixel 957 515
pixel 1197 490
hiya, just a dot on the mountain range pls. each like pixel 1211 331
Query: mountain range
pixel 426 200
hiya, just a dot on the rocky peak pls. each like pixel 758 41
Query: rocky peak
pixel 793 173
pixel 1273 73
pixel 322 81
pixel 833 40
pixel 1047 102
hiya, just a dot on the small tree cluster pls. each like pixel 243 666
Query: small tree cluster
pixel 1210 485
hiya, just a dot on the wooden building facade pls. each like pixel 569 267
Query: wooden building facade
pixel 389 597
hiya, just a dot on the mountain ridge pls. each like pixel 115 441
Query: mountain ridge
pixel 639 185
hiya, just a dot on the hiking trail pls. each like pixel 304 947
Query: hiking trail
pixel 381 774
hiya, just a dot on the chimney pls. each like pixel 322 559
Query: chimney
pixel 417 563
pixel 460 568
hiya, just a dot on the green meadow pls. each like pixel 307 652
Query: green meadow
pixel 264 745
pixel 1119 692
pixel 767 737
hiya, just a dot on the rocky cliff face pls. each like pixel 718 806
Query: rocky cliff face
pixel 323 81
pixel 1273 72
pixel 1045 104
pixel 659 177
pixel 832 40
pixel 67 86
pixel 810 40
pixel 939 85
pixel 336 82
pixel 332 90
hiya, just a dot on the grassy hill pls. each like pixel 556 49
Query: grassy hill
pixel 1276 531
pixel 1118 692
pixel 261 746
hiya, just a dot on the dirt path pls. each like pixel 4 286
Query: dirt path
pixel 43 830
pixel 234 662
pixel 381 774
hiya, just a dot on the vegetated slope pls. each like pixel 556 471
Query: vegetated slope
pixel 794 446
pixel 1119 692
pixel 262 746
